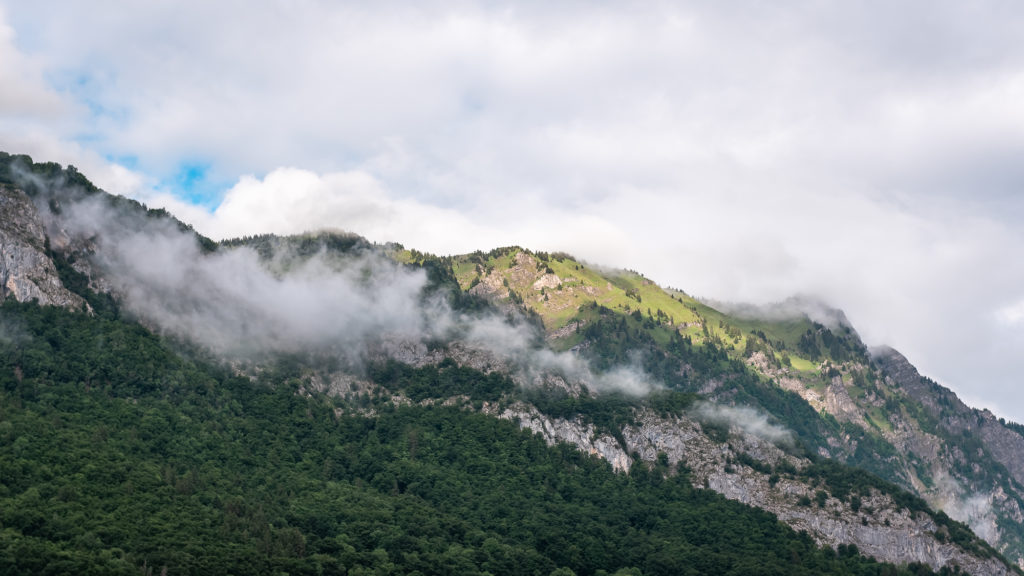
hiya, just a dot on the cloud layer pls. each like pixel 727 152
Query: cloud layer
pixel 867 153
pixel 232 302
pixel 745 418
pixel 246 304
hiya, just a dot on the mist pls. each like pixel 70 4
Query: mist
pixel 747 419
pixel 243 306
pixel 975 509
pixel 534 365
pixel 791 308
pixel 231 302
pixel 11 332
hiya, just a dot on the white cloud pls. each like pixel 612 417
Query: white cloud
pixel 745 418
pixel 293 201
pixel 854 151
pixel 1011 315
pixel 290 200
pixel 25 93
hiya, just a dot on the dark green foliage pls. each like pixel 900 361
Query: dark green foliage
pixel 758 342
pixel 501 251
pixel 1018 428
pixel 820 497
pixel 820 342
pixel 20 171
pixel 442 381
pixel 303 246
pixel 810 427
pixel 843 482
pixel 119 457
pixel 609 413
pixel 615 339
pixel 751 462
pixel 808 344
pixel 668 402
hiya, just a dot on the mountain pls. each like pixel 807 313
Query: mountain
pixel 870 409
pixel 324 404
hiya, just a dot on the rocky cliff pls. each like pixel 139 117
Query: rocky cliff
pixel 744 468
pixel 26 270
pixel 962 461
pixel 1005 445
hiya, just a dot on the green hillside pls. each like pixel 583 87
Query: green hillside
pixel 561 290
pixel 122 451
pixel 816 380
pixel 120 455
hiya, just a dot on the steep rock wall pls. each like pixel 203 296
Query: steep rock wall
pixel 26 271
pixel 888 533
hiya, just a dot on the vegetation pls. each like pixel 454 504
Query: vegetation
pixel 442 381
pixel 621 318
pixel 18 170
pixel 120 455
pixel 303 246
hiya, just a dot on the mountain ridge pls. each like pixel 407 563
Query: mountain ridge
pixel 607 332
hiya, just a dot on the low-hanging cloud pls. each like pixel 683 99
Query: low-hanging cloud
pixel 533 364
pixel 239 304
pixel 788 309
pixel 745 418
pixel 231 302
pixel 973 509
pixel 11 332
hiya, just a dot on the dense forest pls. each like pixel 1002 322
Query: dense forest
pixel 119 453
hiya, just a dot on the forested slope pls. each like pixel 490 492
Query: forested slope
pixel 324 404
pixel 118 453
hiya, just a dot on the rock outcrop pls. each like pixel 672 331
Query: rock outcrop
pixel 877 525
pixel 1005 445
pixel 26 270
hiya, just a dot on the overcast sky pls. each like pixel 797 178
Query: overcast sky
pixel 869 153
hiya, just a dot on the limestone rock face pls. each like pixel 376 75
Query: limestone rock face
pixel 1004 444
pixel 548 281
pixel 26 271
pixel 558 430
pixel 879 527
pixel 839 403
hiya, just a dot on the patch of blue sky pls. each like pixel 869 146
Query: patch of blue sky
pixel 195 183
pixel 129 161
pixel 91 90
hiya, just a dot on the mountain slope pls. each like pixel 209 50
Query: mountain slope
pixel 870 410
pixel 121 454
pixel 667 389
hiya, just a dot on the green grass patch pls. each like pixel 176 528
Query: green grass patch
pixel 802 364
pixel 878 418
